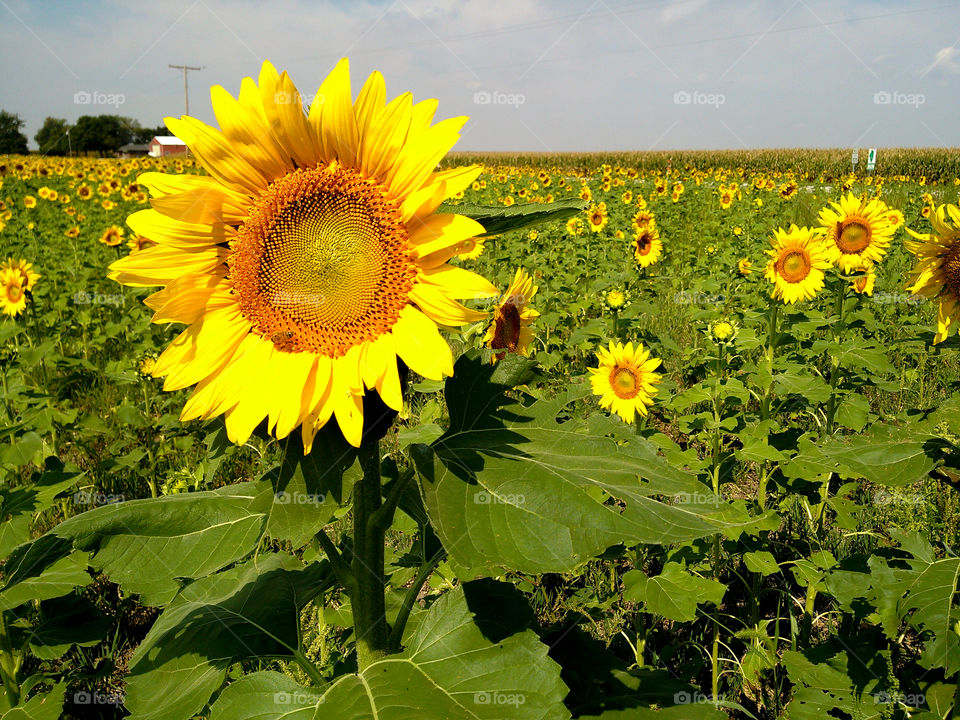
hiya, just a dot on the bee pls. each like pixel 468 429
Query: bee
pixel 281 337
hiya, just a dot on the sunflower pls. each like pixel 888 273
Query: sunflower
pixel 574 226
pixel 310 259
pixel 894 217
pixel 72 232
pixel 29 201
pixel 642 220
pixel 112 236
pixel 471 248
pixel 723 332
pixel 647 246
pixel 625 379
pixel 788 190
pixel 936 274
pixel 13 294
pixel 597 217
pixel 856 230
pixel 585 194
pixel 147 365
pixel 797 262
pixel 726 199
pixel 510 328
pixel 138 242
pixel 24 269
pixel 616 299
pixel 863 284
pixel 743 266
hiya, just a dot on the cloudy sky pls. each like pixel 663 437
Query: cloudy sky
pixel 537 75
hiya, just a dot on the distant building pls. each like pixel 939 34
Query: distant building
pixel 131 150
pixel 163 145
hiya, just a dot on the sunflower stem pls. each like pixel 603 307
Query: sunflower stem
pixel 367 600
pixel 427 567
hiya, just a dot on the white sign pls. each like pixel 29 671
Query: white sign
pixel 855 157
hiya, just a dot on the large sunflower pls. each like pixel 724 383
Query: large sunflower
pixel 856 230
pixel 13 295
pixel 510 328
pixel 936 274
pixel 28 276
pixel 311 259
pixel 798 259
pixel 625 379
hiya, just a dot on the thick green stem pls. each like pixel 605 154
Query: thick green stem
pixel 396 635
pixel 835 360
pixel 367 602
pixel 9 663
pixel 308 667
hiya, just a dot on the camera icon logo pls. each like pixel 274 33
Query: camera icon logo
pixel 82 98
pixel 482 97
pixel 882 97
pixel 82 698
pixel 682 97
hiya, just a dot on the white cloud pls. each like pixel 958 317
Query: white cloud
pixel 679 9
pixel 945 60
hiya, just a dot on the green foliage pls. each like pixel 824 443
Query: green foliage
pixel 12 139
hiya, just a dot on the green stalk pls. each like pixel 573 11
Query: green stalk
pixel 396 635
pixel 835 362
pixel 367 602
pixel 717 447
pixel 772 317
pixel 9 663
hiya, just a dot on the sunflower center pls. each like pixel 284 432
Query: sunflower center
pixel 853 236
pixel 794 266
pixel 625 382
pixel 506 333
pixel 14 292
pixel 322 262
pixel 644 243
pixel 951 268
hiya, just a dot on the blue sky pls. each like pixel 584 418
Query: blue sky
pixel 533 75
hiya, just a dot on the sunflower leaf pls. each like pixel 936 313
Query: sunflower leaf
pixel 519 487
pixel 497 220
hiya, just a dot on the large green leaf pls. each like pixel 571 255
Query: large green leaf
pixel 59 577
pixel 44 706
pixel 497 219
pixel 827 683
pixel 148 546
pixel 450 670
pixel 249 611
pixel 518 487
pixel 19 505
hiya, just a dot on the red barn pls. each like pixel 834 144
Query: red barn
pixel 163 145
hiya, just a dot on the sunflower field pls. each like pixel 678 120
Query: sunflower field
pixel 306 425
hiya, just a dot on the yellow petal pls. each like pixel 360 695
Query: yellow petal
pixel 420 345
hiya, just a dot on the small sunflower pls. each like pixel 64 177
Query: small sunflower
pixel 723 332
pixel 726 199
pixel 642 220
pixel 138 242
pixel 743 266
pixel 936 274
pixel 625 379
pixel 856 230
pixel 863 284
pixel 597 217
pixel 788 190
pixel 29 201
pixel 616 299
pixel 471 248
pixel 13 295
pixel 647 246
pixel 510 327
pixel 575 226
pixel 112 236
pixel 146 366
pixel 72 232
pixel 797 262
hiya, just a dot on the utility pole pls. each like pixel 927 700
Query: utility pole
pixel 186 97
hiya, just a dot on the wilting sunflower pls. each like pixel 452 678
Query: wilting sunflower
pixel 936 274
pixel 510 328
pixel 13 295
pixel 856 230
pixel 310 260
pixel 625 379
pixel 112 236
pixel 797 262
pixel 597 217
pixel 647 246
pixel 24 269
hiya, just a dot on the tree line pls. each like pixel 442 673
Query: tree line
pixel 90 134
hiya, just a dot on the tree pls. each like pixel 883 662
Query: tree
pixel 101 133
pixel 12 139
pixel 52 137
pixel 145 135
